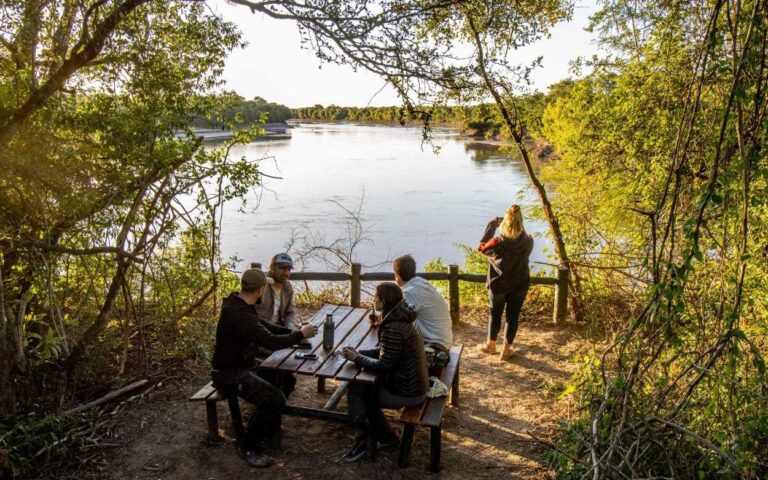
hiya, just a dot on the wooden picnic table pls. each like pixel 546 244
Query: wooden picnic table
pixel 352 328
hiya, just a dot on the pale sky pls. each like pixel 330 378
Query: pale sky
pixel 275 67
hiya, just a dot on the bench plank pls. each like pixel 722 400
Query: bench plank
pixel 433 413
pixel 203 393
pixel 278 357
pixel 413 414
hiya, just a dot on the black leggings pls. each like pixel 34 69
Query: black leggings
pixel 513 302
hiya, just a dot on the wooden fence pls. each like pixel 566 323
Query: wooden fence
pixel 355 277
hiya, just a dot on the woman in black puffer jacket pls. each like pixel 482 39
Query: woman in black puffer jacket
pixel 402 367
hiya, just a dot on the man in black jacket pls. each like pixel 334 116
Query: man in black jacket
pixel 238 332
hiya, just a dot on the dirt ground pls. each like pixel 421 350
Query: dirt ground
pixel 163 436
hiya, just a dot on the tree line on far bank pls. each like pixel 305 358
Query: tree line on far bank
pixel 482 119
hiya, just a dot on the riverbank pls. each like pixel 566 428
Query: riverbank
pixel 272 131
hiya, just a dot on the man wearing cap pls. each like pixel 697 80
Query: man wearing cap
pixel 277 305
pixel 238 330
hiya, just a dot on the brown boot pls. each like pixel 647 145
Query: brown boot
pixel 506 353
pixel 488 347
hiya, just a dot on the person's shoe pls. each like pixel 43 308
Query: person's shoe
pixel 485 348
pixel 506 354
pixel 256 459
pixel 357 453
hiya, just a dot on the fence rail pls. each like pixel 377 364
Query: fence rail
pixel 355 277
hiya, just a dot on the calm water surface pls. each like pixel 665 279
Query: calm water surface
pixel 415 201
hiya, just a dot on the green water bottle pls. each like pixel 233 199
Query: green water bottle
pixel 328 332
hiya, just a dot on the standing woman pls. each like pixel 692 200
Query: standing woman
pixel 402 367
pixel 508 275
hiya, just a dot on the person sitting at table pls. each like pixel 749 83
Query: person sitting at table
pixel 238 330
pixel 277 305
pixel 433 320
pixel 401 364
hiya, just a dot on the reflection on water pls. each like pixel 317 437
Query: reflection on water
pixel 415 201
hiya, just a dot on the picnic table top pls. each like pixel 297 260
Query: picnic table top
pixel 351 329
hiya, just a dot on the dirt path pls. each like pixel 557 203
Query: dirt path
pixel 485 437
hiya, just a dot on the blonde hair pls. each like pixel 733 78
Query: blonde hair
pixel 512 225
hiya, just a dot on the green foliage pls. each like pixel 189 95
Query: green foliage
pixel 472 294
pixel 31 441
pixel 234 110
pixel 109 238
pixel 666 242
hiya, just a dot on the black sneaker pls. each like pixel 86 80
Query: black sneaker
pixel 357 453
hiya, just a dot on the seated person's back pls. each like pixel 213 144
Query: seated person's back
pixel 433 319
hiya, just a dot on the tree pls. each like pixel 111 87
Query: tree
pixel 416 45
pixel 95 154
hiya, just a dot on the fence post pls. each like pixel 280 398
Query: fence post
pixel 453 291
pixel 354 285
pixel 561 295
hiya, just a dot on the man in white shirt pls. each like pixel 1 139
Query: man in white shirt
pixel 433 320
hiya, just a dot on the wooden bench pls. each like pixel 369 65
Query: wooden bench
pixel 430 414
pixel 211 397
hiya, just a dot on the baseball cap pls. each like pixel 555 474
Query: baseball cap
pixel 283 259
pixel 253 279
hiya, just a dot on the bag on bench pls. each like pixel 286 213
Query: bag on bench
pixel 437 356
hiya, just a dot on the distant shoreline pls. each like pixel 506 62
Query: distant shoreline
pixel 272 131
pixel 466 136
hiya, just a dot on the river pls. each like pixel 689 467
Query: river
pixel 413 200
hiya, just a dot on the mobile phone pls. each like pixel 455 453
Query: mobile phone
pixel 303 346
pixel 305 356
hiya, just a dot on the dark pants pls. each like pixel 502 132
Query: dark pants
pixel 513 302
pixel 364 403
pixel 266 420
pixel 286 382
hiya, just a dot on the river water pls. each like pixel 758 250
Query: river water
pixel 413 200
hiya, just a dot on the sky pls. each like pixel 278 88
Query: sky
pixel 275 67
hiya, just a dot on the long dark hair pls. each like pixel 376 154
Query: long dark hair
pixel 390 295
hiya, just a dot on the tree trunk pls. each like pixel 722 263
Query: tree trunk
pixel 7 387
pixel 517 135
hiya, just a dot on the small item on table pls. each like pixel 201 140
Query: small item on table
pixel 305 356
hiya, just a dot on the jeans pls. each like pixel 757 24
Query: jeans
pixel 513 301
pixel 266 420
pixel 364 403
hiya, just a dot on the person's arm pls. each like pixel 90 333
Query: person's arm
pixel 370 352
pixel 490 230
pixel 391 347
pixel 275 329
pixel 255 331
